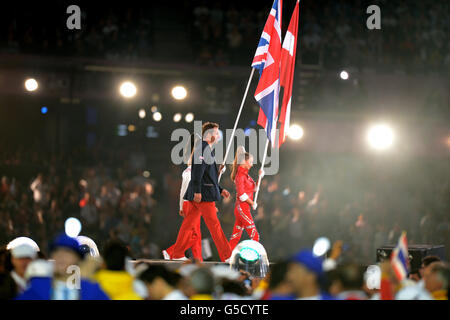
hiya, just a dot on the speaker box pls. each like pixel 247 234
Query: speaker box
pixel 416 253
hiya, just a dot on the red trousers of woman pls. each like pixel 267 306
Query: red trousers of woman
pixel 244 220
pixel 195 242
pixel 208 211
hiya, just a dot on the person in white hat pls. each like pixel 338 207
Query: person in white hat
pixel 21 256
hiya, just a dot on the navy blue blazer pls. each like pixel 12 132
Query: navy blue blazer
pixel 204 175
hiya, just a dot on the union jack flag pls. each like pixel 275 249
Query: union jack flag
pixel 400 258
pixel 267 60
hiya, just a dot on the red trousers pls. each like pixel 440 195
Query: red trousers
pixel 208 211
pixel 244 220
pixel 196 237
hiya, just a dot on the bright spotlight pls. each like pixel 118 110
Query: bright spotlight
pixel 157 116
pixel 72 227
pixel 142 113
pixel 189 117
pixel 128 89
pixel 344 75
pixel 321 246
pixel 177 117
pixel 22 240
pixel 31 84
pixel 380 137
pixel 179 92
pixel 295 132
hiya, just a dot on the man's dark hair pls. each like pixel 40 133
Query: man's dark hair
pixel 351 276
pixel 229 286
pixel 158 271
pixel 278 274
pixel 114 255
pixel 429 260
pixel 209 125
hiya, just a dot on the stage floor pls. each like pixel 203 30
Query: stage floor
pixel 177 263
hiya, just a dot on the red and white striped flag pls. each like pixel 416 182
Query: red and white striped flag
pixel 288 52
pixel 400 258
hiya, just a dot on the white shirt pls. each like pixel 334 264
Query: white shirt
pixel 175 295
pixel 20 282
pixel 62 292
pixel 184 185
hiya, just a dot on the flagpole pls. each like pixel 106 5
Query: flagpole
pixel 237 120
pixel 262 168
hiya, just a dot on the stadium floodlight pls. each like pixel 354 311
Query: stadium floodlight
pixel 157 116
pixel 179 92
pixel 344 75
pixel 295 132
pixel 142 113
pixel 177 117
pixel 128 89
pixel 72 227
pixel 380 136
pixel 31 84
pixel 189 117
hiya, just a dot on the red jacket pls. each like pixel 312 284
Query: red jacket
pixel 245 186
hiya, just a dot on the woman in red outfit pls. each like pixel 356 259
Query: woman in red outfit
pixel 245 187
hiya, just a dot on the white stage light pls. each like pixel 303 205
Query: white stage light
pixel 179 92
pixel 72 227
pixel 177 117
pixel 189 117
pixel 321 246
pixel 128 89
pixel 31 84
pixel 157 116
pixel 380 136
pixel 142 113
pixel 295 132
pixel 344 75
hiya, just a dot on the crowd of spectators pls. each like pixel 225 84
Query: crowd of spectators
pixel 350 199
pixel 113 34
pixel 413 36
pixel 347 198
pixel 27 274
